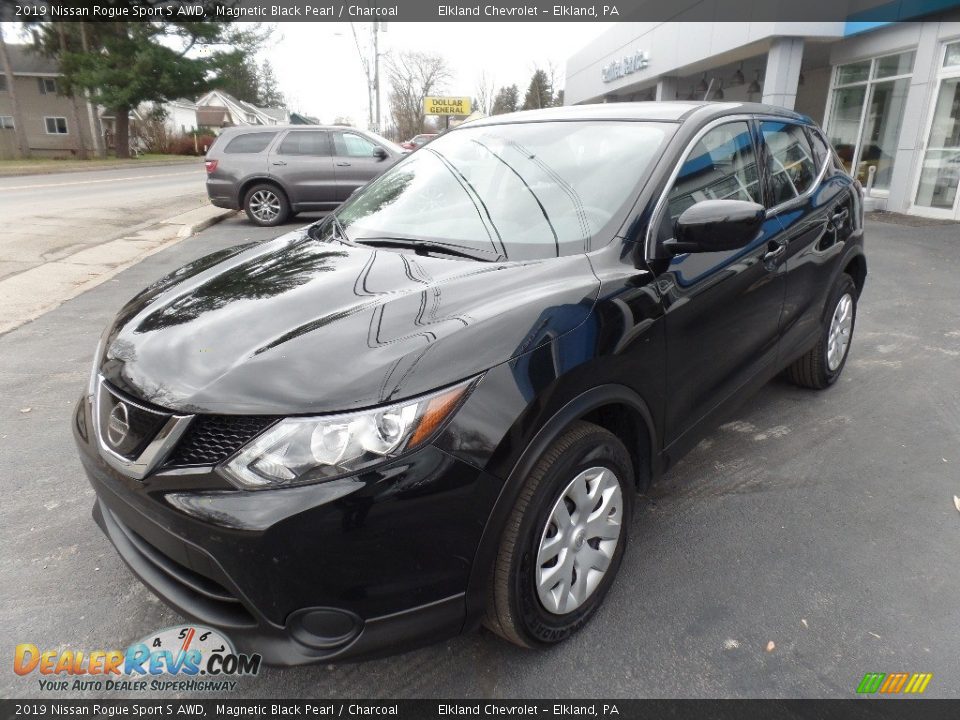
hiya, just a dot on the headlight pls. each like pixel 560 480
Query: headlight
pixel 301 450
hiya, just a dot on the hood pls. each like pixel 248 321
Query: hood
pixel 300 326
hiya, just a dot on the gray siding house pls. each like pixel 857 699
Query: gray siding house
pixel 55 125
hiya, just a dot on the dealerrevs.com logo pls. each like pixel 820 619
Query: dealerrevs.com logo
pixel 184 658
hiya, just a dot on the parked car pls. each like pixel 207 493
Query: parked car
pixel 418 141
pixel 275 172
pixel 434 408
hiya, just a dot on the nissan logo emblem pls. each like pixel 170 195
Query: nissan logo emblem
pixel 118 424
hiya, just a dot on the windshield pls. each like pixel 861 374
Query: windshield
pixel 516 191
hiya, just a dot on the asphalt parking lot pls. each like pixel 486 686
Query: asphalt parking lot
pixel 821 522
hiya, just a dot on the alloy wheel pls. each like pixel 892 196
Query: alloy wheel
pixel 841 327
pixel 265 205
pixel 579 540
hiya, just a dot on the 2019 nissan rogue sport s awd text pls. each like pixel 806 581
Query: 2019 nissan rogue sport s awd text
pixel 433 408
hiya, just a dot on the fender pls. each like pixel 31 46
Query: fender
pixel 582 404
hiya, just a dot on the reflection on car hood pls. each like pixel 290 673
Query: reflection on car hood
pixel 300 326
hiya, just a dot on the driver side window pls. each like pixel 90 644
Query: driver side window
pixel 353 145
pixel 721 166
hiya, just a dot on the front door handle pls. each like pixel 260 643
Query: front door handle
pixel 775 251
pixel 839 219
pixel 278 162
pixel 343 164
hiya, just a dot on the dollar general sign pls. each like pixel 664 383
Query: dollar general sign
pixel 446 106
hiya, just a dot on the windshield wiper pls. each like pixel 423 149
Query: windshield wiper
pixel 421 247
pixel 338 232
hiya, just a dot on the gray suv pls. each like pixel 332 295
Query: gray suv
pixel 277 171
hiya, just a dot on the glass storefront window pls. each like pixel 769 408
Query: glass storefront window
pixel 952 56
pixel 882 129
pixel 844 125
pixel 940 174
pixel 866 113
pixel 854 72
pixel 892 65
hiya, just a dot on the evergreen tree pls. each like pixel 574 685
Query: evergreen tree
pixel 507 100
pixel 269 94
pixel 241 78
pixel 136 62
pixel 539 93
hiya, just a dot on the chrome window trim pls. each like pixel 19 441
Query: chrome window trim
pixel 777 209
pixel 155 452
pixel 662 202
pixel 649 247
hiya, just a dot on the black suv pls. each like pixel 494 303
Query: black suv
pixel 434 407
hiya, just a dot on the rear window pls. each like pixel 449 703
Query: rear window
pixel 249 143
pixel 305 142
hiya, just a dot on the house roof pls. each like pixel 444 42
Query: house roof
pixel 212 116
pixel 24 60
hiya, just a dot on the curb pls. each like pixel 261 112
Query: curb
pixel 53 170
pixel 188 230
pixel 74 276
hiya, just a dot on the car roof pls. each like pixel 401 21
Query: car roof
pixel 672 111
pixel 242 129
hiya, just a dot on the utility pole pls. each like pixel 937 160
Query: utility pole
pixel 376 70
pixel 372 74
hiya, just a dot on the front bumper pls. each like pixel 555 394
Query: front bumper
pixel 366 566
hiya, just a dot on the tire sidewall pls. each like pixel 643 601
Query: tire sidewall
pixel 542 628
pixel 284 205
pixel 843 287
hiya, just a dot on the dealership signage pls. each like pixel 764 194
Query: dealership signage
pixel 626 65
pixel 446 106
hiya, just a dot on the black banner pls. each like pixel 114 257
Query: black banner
pixel 451 709
pixel 472 10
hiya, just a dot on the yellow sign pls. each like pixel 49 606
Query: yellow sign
pixel 446 106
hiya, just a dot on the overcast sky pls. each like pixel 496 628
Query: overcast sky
pixel 320 73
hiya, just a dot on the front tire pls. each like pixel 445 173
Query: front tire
pixel 266 205
pixel 822 365
pixel 564 540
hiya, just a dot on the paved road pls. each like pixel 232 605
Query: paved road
pixel 48 217
pixel 823 522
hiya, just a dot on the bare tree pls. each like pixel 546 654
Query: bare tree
pixel 23 148
pixel 413 77
pixel 485 92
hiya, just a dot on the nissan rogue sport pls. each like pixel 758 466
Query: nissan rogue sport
pixel 435 407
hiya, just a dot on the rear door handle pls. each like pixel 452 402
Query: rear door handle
pixel 343 164
pixel 775 251
pixel 278 162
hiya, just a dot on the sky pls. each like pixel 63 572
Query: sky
pixel 320 72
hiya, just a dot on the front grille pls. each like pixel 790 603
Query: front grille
pixel 127 425
pixel 211 439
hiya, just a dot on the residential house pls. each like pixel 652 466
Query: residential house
pixel 218 109
pixel 55 125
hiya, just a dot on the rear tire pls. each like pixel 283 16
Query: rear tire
pixel 266 205
pixel 822 365
pixel 564 539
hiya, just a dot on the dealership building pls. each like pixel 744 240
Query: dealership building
pixel 887 94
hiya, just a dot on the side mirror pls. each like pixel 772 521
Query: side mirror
pixel 716 225
pixel 380 153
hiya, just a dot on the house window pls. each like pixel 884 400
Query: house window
pixel 6 122
pixel 866 111
pixel 56 125
pixel 3 83
pixel 47 86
